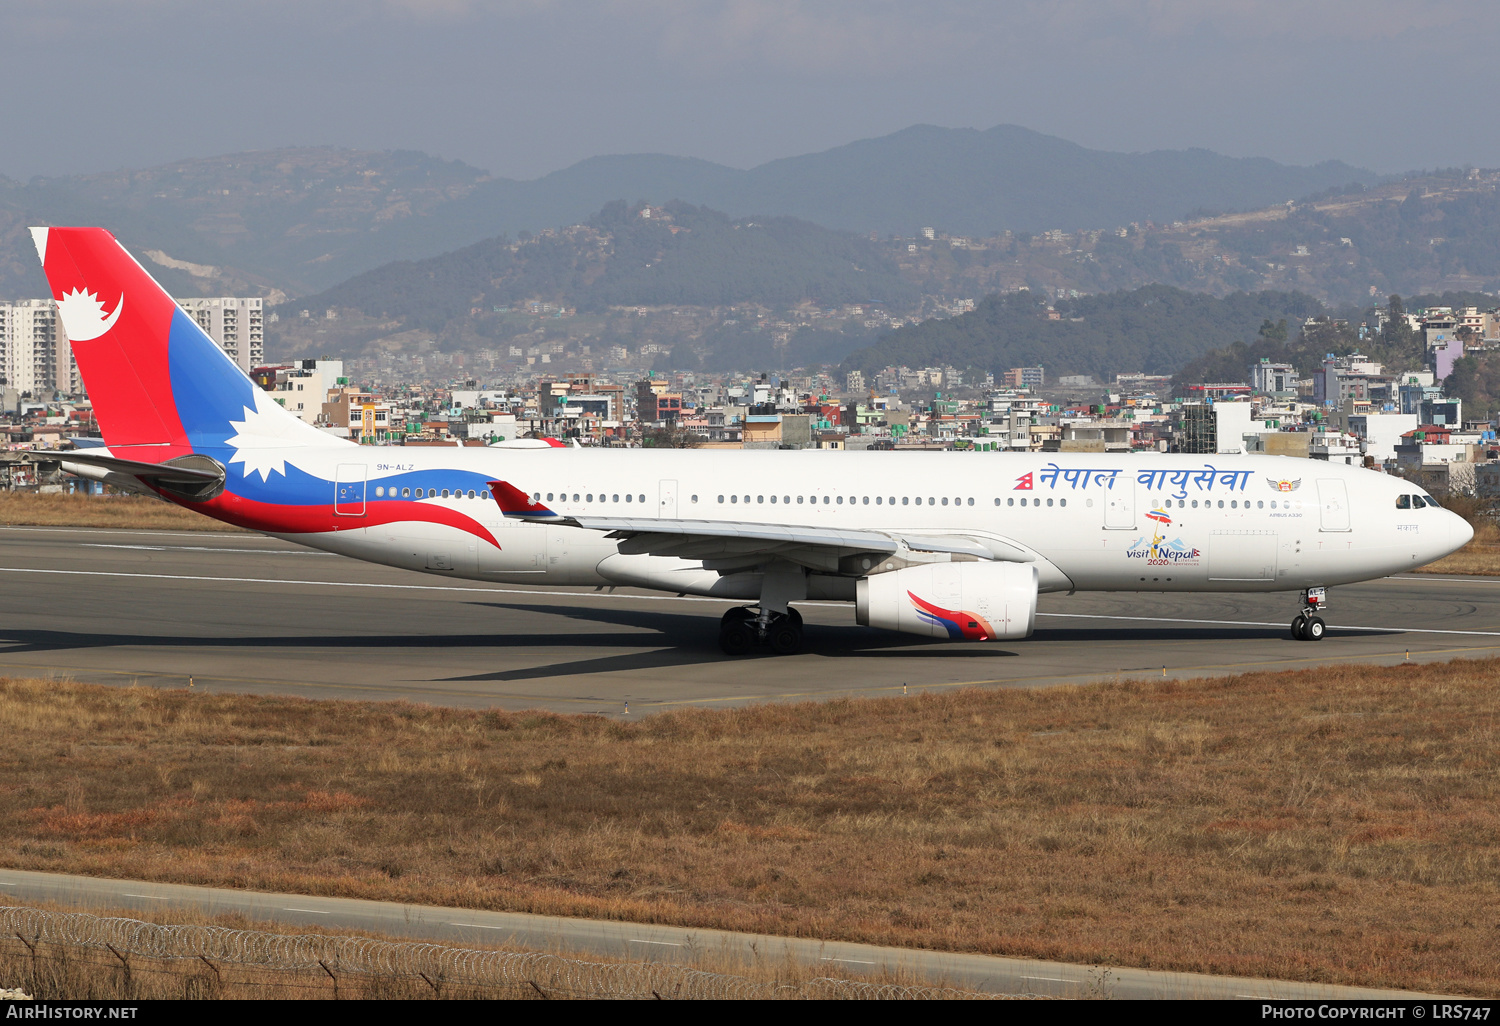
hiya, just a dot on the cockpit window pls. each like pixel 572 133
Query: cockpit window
pixel 1403 502
pixel 1429 500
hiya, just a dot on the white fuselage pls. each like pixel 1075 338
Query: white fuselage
pixel 1142 522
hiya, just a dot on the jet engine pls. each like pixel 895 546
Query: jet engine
pixel 958 601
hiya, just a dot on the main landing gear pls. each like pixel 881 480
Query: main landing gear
pixel 745 628
pixel 1309 626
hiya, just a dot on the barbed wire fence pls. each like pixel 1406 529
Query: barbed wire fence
pixel 437 965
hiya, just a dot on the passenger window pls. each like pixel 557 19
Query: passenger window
pixel 616 498
pixel 471 494
pixel 379 491
pixel 1023 500
pixel 997 500
pixel 732 498
pixel 589 497
pixel 627 497
pixel 1195 503
pixel 1233 504
pixel 971 502
pixel 1010 501
pixel 535 496
pixel 1049 502
pixel 1273 503
pixel 773 500
pixel 877 500
pixel 826 500
pixel 721 498
pixel 799 500
pixel 866 501
pixel 549 496
pixel 1260 505
pixel 695 498
pixel 905 499
pixel 945 500
pixel 445 493
pixel 1403 502
pixel 1221 503
pixel 760 499
pixel 841 500
pixel 406 493
pixel 575 496
pixel 1062 502
pixel 485 495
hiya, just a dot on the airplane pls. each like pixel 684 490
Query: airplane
pixel 940 545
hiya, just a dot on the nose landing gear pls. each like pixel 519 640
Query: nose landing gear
pixel 745 628
pixel 1308 625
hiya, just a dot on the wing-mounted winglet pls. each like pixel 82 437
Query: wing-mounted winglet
pixel 517 504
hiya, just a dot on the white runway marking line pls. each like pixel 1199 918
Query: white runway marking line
pixel 1269 623
pixel 309 911
pixel 850 961
pixel 150 897
pixel 479 926
pixel 660 944
pixel 1049 979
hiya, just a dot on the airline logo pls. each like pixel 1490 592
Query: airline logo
pixel 1023 483
pixel 1160 516
pixel 83 315
pixel 960 625
pixel 1284 486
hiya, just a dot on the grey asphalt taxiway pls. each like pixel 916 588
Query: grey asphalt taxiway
pixel 246 613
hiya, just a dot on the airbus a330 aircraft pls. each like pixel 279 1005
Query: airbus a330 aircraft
pixel 943 545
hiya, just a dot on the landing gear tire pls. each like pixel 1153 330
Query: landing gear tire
pixel 737 637
pixel 1315 629
pixel 1299 628
pixel 785 636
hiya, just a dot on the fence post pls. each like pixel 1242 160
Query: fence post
pixel 123 961
pixel 332 977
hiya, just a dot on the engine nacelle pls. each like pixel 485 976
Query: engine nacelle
pixel 960 601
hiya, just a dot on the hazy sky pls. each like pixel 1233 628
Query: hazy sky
pixel 522 87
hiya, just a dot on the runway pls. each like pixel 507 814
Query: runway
pixel 245 613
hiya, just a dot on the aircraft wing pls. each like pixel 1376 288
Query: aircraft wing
pixel 722 544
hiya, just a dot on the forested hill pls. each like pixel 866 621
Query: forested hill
pixel 1156 329
pixel 680 255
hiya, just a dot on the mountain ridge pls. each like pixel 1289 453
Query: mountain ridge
pixel 303 219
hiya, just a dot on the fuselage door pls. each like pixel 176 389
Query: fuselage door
pixel 1333 498
pixel 1119 505
pixel 666 507
pixel 349 490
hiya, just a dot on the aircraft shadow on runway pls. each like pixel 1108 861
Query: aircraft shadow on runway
pixel 664 640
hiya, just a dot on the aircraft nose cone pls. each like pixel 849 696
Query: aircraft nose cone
pixel 1459 531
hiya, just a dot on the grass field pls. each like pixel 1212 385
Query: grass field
pixel 256 965
pixel 135 512
pixel 1337 825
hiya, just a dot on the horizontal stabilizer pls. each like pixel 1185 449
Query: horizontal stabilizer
pixel 165 473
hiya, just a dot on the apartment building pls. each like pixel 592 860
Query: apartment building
pixel 35 356
pixel 237 326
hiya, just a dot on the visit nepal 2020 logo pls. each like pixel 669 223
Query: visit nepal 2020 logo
pixel 1160 552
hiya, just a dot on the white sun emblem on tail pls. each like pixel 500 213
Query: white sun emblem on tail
pixel 262 439
pixel 83 315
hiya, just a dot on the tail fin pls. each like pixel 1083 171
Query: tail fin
pixel 154 377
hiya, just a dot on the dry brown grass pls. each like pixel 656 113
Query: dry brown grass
pixel 1339 824
pixel 47 971
pixel 136 512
